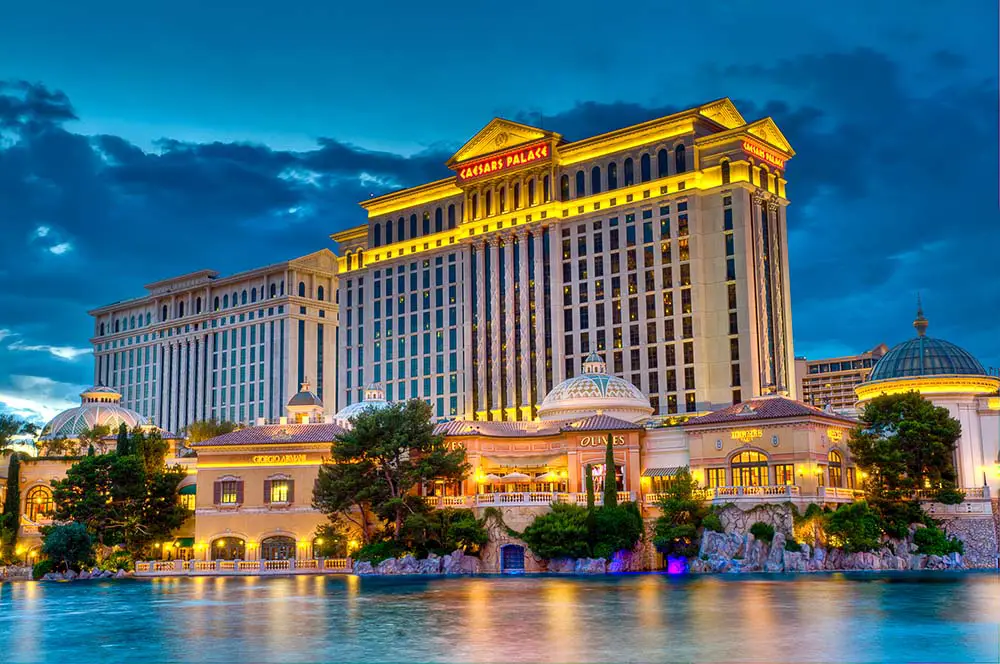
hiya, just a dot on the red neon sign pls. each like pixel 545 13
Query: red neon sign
pixel 503 161
pixel 770 157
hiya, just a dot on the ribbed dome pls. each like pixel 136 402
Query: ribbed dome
pixel 595 392
pixel 924 356
pixel 100 406
pixel 374 399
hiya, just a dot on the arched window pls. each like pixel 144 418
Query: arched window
pixel 662 159
pixel 427 223
pixel 489 203
pixel 474 207
pixel 131 321
pixel 451 216
pixel 243 297
pixel 399 229
pixel 581 184
pixel 228 548
pixel 765 177
pixel 234 298
pixel 277 548
pixel 564 188
pixel 749 469
pixel 680 159
pixel 502 200
pixel 413 226
pixel 724 167
pixel 38 503
pixel 350 258
pixel 197 304
pixel 377 235
pixel 438 220
pixel 253 293
pixel 750 171
pixel 836 468
pixel 320 293
pixel 517 195
pixel 149 318
pixel 629 172
pixel 645 174
pixel 302 289
pixel 118 325
pixel 215 303
pixel 546 189
pixel 225 301
pixel 163 312
pixel 281 287
pixel 361 258
pixel 531 192
pixel 180 310
pixel 102 329
pixel 274 291
pixel 388 232
pixel 612 176
pixel 595 180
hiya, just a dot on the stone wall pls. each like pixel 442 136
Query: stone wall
pixel 979 536
pixel 737 520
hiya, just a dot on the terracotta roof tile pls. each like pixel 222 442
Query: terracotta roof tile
pixel 765 408
pixel 276 434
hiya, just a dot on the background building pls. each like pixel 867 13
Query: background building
pixel 662 246
pixel 831 382
pixel 200 346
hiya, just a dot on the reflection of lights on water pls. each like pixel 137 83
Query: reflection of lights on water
pixel 676 565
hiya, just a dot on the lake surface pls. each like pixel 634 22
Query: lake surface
pixel 630 618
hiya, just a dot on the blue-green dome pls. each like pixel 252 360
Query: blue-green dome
pixel 925 356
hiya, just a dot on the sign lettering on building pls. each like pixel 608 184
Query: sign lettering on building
pixel 746 435
pixel 760 152
pixel 835 435
pixel 502 162
pixel 267 459
pixel 599 441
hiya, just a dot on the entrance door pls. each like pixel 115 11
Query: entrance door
pixel 511 558
pixel 277 548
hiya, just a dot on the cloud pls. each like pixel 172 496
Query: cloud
pixel 38 398
pixel 61 352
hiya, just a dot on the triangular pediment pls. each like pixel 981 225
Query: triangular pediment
pixel 768 132
pixel 324 260
pixel 499 135
pixel 724 113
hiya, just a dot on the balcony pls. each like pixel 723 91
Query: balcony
pixel 520 499
pixel 243 567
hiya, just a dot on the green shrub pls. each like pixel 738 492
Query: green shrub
pixel 68 545
pixel 855 527
pixel 616 528
pixel 117 560
pixel 561 533
pixel 762 531
pixel 712 522
pixel 935 542
pixel 443 531
pixel 949 496
pixel 676 539
pixel 792 545
pixel 41 568
pixel 897 515
pixel 376 552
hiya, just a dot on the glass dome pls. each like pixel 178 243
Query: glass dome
pixel 99 406
pixel 594 391
pixel 374 398
pixel 924 356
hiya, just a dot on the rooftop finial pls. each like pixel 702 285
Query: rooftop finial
pixel 920 324
pixel 304 386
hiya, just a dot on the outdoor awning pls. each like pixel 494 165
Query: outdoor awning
pixel 661 472
pixel 547 477
pixel 492 478
pixel 514 477
pixel 184 542
pixel 189 490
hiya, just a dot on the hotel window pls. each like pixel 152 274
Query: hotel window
pixel 715 477
pixel 851 479
pixel 731 293
pixel 388 232
pixel 38 503
pixel 399 228
pixel 629 172
pixel 725 171
pixel 680 161
pixel 737 396
pixel 502 200
pixel 836 468
pixel 427 223
pixel 517 195
pixel 451 216
pixel 595 180
pixel 644 168
pixel 438 221
pixel 564 188
pixel 784 474
pixel 228 492
pixel 735 375
pixel 749 469
pixel 734 327
pixel 612 176
pixel 377 235
pixel 662 159
pixel 279 491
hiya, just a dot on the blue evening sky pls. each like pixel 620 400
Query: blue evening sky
pixel 142 140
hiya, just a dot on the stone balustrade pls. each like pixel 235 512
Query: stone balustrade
pixel 242 567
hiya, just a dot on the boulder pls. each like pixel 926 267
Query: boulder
pixel 756 554
pixel 120 574
pixel 408 565
pixel 795 561
pixel 775 561
pixel 562 565
pixel 363 568
pixel 625 561
pixel 727 545
pixel 84 575
pixel 591 566
pixel 70 575
pixel 429 566
pixel 107 574
pixel 388 567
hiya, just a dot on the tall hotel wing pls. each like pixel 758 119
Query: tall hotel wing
pixel 662 247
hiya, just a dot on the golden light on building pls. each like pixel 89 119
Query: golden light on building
pixel 746 435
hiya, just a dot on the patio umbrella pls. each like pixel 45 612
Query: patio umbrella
pixel 492 478
pixel 515 477
pixel 547 477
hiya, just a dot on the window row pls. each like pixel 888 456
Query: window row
pixel 396 231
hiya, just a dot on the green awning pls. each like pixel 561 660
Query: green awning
pixel 661 472
pixel 188 490
pixel 184 542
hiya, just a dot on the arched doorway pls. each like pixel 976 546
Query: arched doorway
pixel 277 548
pixel 229 548
pixel 38 503
pixel 511 558
pixel 836 468
pixel 749 468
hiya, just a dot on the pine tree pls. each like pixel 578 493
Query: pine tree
pixel 10 519
pixel 90 450
pixel 590 488
pixel 610 481
pixel 122 447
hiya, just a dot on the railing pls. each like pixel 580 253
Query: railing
pixel 522 498
pixel 243 567
pixel 971 493
pixel 840 494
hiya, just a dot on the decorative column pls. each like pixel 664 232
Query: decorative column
pixel 525 323
pixel 760 295
pixel 778 306
pixel 495 324
pixel 480 317
pixel 541 313
pixel 507 329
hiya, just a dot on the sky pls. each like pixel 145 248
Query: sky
pixel 140 141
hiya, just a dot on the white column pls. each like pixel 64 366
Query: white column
pixel 199 413
pixel 168 361
pixel 507 330
pixel 522 242
pixel 194 372
pixel 175 391
pixel 496 323
pixel 541 314
pixel 466 313
pixel 481 295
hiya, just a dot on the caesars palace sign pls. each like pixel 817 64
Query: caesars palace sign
pixel 523 156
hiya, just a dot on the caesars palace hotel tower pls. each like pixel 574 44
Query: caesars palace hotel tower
pixel 661 246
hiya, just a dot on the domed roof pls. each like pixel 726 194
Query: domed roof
pixel 305 397
pixel 99 406
pixel 924 356
pixel 374 399
pixel 595 392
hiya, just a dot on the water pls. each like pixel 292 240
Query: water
pixel 633 618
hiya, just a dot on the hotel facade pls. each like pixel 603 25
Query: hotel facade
pixel 662 246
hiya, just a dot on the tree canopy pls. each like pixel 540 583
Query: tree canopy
pixel 374 467
pixel 68 545
pixel 10 425
pixel 204 429
pixel 904 442
pixel 682 514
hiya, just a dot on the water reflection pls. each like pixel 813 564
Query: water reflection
pixel 618 618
